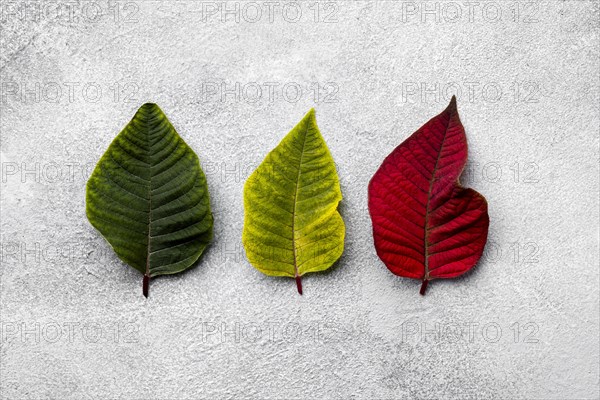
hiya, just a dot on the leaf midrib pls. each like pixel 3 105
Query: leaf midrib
pixel 295 201
pixel 149 238
pixel 426 233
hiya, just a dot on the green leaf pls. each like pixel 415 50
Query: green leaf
pixel 149 199
pixel 291 223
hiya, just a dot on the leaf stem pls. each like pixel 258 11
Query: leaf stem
pixel 424 287
pixel 146 285
pixel 299 284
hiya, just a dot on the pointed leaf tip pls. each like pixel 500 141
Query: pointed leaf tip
pixel 149 110
pixel 149 107
pixel 452 105
pixel 311 114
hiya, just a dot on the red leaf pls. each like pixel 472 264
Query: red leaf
pixel 425 224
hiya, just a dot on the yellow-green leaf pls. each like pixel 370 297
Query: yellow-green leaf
pixel 149 199
pixel 291 222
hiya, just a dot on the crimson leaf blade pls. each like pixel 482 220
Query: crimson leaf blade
pixel 425 224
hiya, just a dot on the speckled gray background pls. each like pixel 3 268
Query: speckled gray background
pixel 523 324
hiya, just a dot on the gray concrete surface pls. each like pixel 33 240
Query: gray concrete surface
pixel 523 324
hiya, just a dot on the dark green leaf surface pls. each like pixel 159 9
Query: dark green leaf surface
pixel 149 199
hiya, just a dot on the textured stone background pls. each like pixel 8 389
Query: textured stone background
pixel 523 324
